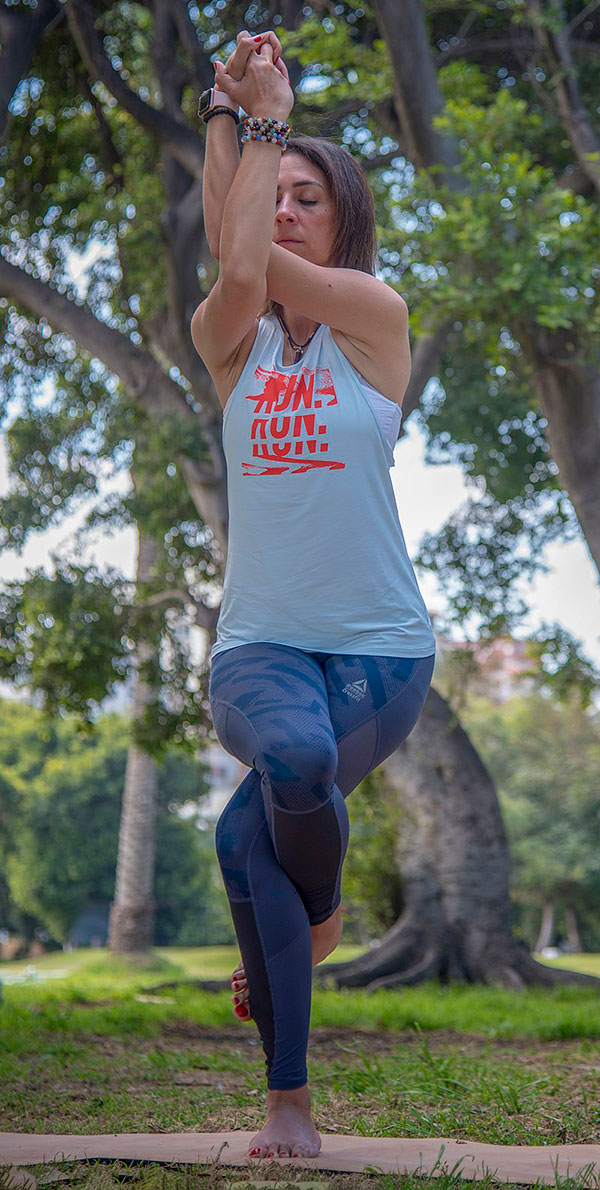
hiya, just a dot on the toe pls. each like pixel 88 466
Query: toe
pixel 242 1011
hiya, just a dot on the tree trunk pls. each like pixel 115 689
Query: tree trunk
pixel 131 925
pixel 453 856
pixel 568 389
pixel 573 939
pixel 546 933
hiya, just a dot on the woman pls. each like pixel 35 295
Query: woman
pixel 324 651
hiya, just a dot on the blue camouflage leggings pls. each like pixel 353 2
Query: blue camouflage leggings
pixel 310 726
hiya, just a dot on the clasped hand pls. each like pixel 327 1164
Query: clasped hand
pixel 256 78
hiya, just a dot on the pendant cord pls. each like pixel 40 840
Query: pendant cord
pixel 297 347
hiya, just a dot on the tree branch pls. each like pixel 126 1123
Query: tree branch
pixel 201 67
pixel 379 159
pixel 572 110
pixel 581 16
pixel 20 32
pixel 521 41
pixel 416 93
pixel 204 617
pixel 425 358
pixel 184 144
pixel 143 378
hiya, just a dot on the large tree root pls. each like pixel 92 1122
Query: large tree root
pixel 408 957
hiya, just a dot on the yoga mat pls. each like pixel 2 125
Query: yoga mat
pixel 351 1154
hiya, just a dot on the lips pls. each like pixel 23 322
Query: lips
pixel 286 241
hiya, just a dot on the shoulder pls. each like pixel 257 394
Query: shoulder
pixel 380 351
pixel 382 368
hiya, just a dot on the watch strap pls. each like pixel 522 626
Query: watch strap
pixel 222 99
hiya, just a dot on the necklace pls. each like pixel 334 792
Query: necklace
pixel 297 347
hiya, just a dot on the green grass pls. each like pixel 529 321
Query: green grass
pixel 85 1054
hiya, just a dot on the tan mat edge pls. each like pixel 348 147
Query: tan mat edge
pixel 433 1156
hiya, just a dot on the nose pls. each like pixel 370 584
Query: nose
pixel 285 213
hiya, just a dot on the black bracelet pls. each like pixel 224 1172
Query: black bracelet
pixel 216 111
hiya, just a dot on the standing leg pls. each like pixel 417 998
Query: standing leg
pixel 272 931
pixel 391 693
pixel 281 857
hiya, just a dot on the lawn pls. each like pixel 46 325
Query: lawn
pixel 105 1044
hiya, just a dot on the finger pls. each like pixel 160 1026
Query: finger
pixel 236 64
pixel 282 68
pixel 224 82
pixel 273 39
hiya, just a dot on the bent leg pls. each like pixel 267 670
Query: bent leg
pixel 270 709
pixel 374 703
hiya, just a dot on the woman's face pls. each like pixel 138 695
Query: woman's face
pixel 303 210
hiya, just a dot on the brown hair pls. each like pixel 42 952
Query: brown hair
pixel 355 243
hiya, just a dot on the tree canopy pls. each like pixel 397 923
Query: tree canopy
pixel 469 122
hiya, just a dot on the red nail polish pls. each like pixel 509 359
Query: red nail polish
pixel 257 38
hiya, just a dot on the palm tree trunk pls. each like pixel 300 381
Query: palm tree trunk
pixel 546 933
pixel 131 924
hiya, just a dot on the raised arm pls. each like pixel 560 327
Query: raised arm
pixel 249 214
pixel 230 310
pixel 222 154
pixel 221 161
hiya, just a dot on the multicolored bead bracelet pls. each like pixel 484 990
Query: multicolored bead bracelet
pixel 266 128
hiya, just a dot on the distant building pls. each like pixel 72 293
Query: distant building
pixel 501 663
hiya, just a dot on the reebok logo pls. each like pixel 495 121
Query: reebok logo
pixel 356 690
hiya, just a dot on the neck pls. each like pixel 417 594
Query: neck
pixel 300 328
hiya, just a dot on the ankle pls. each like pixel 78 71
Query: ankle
pixel 295 1097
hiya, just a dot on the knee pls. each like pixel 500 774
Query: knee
pixel 302 779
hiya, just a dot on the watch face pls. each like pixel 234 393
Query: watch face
pixel 205 102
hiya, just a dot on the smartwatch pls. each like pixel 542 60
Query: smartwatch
pixel 211 99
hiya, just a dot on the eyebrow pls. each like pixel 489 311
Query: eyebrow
pixel 306 182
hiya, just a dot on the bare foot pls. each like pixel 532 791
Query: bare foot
pixel 289 1130
pixel 325 938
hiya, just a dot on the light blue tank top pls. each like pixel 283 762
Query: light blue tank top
pixel 317 557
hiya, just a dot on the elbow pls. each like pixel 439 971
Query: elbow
pixel 237 281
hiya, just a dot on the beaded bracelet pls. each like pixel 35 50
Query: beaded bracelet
pixel 217 111
pixel 266 128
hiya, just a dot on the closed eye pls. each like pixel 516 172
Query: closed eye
pixel 306 202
